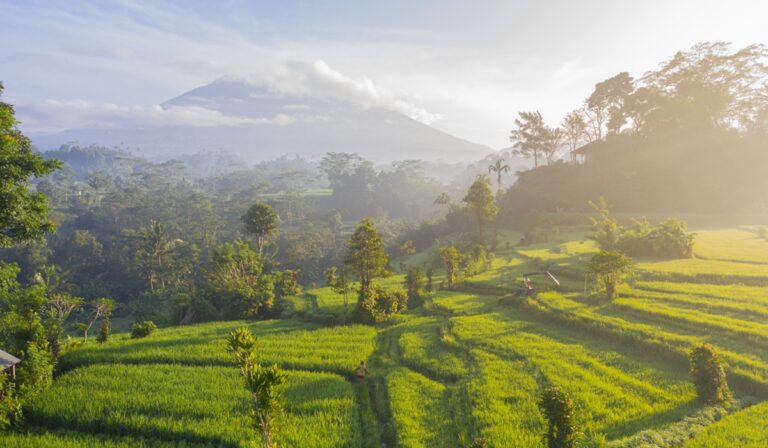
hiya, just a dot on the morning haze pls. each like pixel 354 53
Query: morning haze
pixel 347 224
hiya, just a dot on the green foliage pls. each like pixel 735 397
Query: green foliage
pixel 708 375
pixel 558 410
pixel 35 373
pixel 381 304
pixel 610 268
pixel 237 274
pixel 414 285
pixel 668 239
pixel 142 329
pixel 477 260
pixel 481 204
pixel 451 258
pixel 23 213
pixel 403 250
pixel 260 221
pixel 104 331
pixel 264 383
pixel 10 406
pixel 367 258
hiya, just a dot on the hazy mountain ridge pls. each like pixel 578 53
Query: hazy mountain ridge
pixel 257 123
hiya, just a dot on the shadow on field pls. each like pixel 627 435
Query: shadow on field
pixel 100 428
pixel 652 421
pixel 148 354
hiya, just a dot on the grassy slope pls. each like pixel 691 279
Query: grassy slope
pixel 465 366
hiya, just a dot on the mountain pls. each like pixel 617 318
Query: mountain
pixel 256 123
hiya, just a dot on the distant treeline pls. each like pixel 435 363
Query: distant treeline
pixel 689 137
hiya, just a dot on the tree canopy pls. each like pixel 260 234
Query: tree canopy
pixel 23 213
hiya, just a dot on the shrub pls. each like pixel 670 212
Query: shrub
pixel 708 375
pixel 142 329
pixel 762 232
pixel 104 331
pixel 380 304
pixel 668 239
pixel 477 260
pixel 35 373
pixel 609 268
pixel 414 282
pixel 557 408
pixel 10 407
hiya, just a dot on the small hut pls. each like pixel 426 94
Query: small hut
pixel 8 363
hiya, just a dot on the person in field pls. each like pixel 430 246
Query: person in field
pixel 361 371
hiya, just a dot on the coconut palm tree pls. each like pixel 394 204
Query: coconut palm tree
pixel 499 167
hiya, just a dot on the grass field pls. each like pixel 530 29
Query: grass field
pixel 470 363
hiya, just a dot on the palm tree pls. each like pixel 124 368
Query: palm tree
pixel 499 167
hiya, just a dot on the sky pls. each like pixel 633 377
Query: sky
pixel 464 67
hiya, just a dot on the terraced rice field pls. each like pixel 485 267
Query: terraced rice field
pixel 471 363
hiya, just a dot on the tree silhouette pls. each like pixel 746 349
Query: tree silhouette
pixel 498 167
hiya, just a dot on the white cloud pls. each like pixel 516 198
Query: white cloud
pixel 56 115
pixel 318 79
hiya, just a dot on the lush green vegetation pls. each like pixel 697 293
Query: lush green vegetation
pixel 489 330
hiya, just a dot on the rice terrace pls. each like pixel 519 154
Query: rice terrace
pixel 514 244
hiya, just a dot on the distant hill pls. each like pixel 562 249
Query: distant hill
pixel 261 124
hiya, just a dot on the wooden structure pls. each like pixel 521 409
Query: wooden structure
pixel 8 362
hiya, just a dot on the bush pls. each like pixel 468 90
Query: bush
pixel 668 239
pixel 104 332
pixel 708 375
pixel 35 373
pixel 381 304
pixel 142 329
pixel 476 261
pixel 609 268
pixel 762 232
pixel 10 407
pixel 557 408
pixel 414 282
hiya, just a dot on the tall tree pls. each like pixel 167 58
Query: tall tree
pixel 366 257
pixel 527 135
pixel 451 258
pixel 574 129
pixel 23 213
pixel 237 275
pixel 156 253
pixel 260 221
pixel 498 167
pixel 532 137
pixel 335 165
pixel 481 204
pixel 605 106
